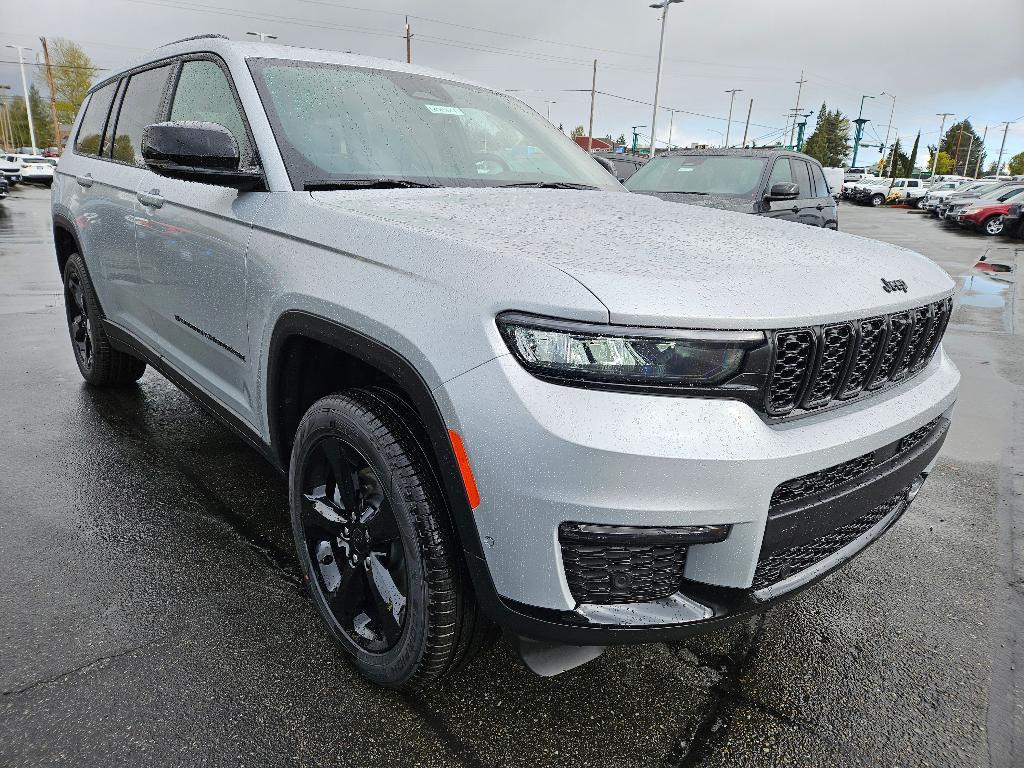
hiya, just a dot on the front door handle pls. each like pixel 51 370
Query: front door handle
pixel 151 199
pixel 84 181
pixel 820 207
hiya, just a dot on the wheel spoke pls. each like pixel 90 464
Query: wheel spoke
pixel 343 475
pixel 388 600
pixel 322 513
pixel 349 596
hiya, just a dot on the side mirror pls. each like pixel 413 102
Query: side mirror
pixel 196 151
pixel 606 164
pixel 784 190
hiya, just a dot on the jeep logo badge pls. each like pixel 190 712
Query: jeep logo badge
pixel 893 285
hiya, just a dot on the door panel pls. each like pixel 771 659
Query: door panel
pixel 192 241
pixel 808 202
pixel 782 209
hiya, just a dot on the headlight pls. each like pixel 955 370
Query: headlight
pixel 626 355
pixel 970 210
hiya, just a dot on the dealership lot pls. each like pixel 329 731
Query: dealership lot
pixel 152 609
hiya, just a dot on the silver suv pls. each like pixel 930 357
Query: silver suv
pixel 506 392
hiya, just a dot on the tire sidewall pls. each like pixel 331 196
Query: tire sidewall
pixel 395 666
pixel 75 266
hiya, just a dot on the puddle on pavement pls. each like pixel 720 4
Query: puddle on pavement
pixel 985 298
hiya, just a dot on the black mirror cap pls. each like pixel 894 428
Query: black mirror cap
pixel 196 151
pixel 606 164
pixel 784 190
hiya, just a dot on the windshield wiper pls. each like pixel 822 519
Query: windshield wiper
pixel 683 192
pixel 549 185
pixel 329 184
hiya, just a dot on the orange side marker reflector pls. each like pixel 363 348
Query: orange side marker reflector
pixel 468 482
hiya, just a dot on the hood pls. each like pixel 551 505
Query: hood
pixel 722 202
pixel 651 262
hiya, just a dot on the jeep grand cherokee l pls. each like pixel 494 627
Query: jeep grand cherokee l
pixel 506 392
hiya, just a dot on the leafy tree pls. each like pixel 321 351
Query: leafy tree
pixel 621 141
pixel 578 131
pixel 992 170
pixel 41 120
pixel 944 164
pixel 956 145
pixel 898 160
pixel 1016 166
pixel 73 72
pixel 829 144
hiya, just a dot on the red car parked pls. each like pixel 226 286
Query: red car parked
pixel 986 218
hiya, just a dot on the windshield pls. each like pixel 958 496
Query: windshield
pixel 701 175
pixel 335 123
pixel 33 159
pixel 992 194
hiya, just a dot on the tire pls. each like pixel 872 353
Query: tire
pixel 992 226
pixel 919 203
pixel 379 560
pixel 100 364
pixel 877 200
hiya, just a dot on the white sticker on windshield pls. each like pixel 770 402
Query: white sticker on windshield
pixel 684 169
pixel 440 109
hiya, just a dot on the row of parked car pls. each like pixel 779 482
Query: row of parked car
pixel 18 167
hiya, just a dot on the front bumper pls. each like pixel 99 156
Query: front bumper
pixel 545 454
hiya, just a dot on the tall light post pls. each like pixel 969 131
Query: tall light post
pixel 889 126
pixel 663 6
pixel 671 122
pixel 1002 147
pixel 938 144
pixel 859 131
pixel 24 86
pixel 728 125
pixel 263 36
pixel 549 103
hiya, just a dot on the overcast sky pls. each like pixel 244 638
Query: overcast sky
pixel 934 56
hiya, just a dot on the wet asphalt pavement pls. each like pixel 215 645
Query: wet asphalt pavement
pixel 151 611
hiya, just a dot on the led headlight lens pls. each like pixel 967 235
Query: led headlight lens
pixel 629 355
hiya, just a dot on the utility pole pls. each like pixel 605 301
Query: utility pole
pixel 967 160
pixel 24 86
pixel 888 128
pixel 593 97
pixel 671 121
pixel 53 95
pixel 732 97
pixel 1002 146
pixel 746 128
pixel 938 144
pixel 408 42
pixel 859 131
pixel 663 5
pixel 263 36
pixel 5 137
pixel 796 109
pixel 981 151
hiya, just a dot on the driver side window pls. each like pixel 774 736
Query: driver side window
pixel 203 93
pixel 781 173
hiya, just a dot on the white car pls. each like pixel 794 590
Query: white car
pixel 33 168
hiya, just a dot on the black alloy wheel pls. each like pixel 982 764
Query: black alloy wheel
pixel 354 544
pixel 99 363
pixel 79 324
pixel 377 551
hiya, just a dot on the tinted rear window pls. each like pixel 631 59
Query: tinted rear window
pixel 90 132
pixel 139 108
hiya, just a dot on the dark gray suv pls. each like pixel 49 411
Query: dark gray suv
pixel 767 182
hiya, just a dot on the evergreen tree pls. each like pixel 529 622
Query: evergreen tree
pixel 829 144
pixel 41 121
pixel 621 141
pixel 897 160
pixel 913 156
pixel 956 144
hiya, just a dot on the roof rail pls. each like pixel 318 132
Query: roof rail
pixel 197 37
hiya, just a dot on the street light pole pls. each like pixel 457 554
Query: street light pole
pixel 663 5
pixel 671 121
pixel 859 132
pixel 24 86
pixel 938 144
pixel 796 109
pixel 732 97
pixel 746 128
pixel 549 103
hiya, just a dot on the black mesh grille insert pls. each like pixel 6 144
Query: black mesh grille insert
pixel 788 562
pixel 832 477
pixel 622 573
pixel 793 353
pixel 811 367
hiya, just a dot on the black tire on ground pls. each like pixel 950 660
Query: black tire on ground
pixel 918 203
pixel 439 627
pixel 877 200
pixel 100 364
